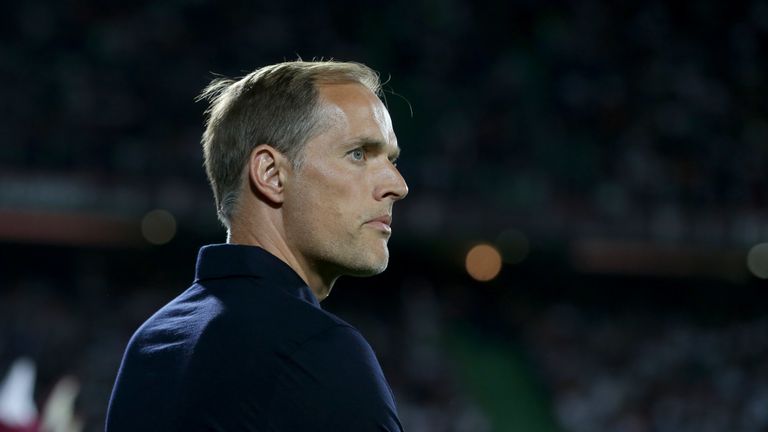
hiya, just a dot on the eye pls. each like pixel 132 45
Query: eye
pixel 358 154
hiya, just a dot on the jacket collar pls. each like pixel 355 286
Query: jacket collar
pixel 220 261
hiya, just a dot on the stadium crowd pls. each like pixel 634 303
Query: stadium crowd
pixel 644 372
pixel 590 118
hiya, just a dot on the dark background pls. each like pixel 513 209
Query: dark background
pixel 614 154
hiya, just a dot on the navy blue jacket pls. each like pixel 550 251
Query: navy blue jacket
pixel 248 348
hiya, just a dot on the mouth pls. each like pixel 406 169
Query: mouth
pixel 381 223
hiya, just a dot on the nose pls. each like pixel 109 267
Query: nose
pixel 392 184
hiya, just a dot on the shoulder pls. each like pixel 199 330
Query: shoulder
pixel 258 315
pixel 180 321
pixel 339 343
pixel 336 375
pixel 346 364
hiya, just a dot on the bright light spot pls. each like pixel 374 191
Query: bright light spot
pixel 757 260
pixel 483 262
pixel 514 246
pixel 158 226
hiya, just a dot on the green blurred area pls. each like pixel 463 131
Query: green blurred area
pixel 497 376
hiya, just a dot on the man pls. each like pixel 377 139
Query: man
pixel 301 159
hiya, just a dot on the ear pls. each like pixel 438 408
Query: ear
pixel 267 170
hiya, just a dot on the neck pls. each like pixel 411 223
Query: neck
pixel 269 240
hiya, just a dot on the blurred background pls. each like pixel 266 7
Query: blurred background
pixel 582 248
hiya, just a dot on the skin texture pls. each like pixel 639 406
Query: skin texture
pixel 319 218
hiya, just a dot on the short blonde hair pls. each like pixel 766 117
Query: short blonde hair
pixel 276 105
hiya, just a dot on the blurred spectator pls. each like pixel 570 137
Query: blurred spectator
pixel 653 373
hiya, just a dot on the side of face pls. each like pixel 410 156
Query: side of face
pixel 338 204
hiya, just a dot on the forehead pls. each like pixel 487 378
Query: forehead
pixel 352 112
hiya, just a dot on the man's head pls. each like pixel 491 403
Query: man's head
pixel 310 147
pixel 276 105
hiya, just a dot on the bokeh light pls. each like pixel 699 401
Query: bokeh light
pixel 158 226
pixel 757 260
pixel 483 262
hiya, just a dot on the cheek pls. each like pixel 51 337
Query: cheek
pixel 323 204
pixel 325 212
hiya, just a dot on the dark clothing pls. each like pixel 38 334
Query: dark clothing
pixel 248 348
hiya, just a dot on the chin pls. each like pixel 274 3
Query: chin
pixel 373 265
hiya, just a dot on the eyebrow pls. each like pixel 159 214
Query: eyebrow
pixel 376 144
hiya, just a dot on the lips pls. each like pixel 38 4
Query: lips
pixel 385 219
pixel 381 223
